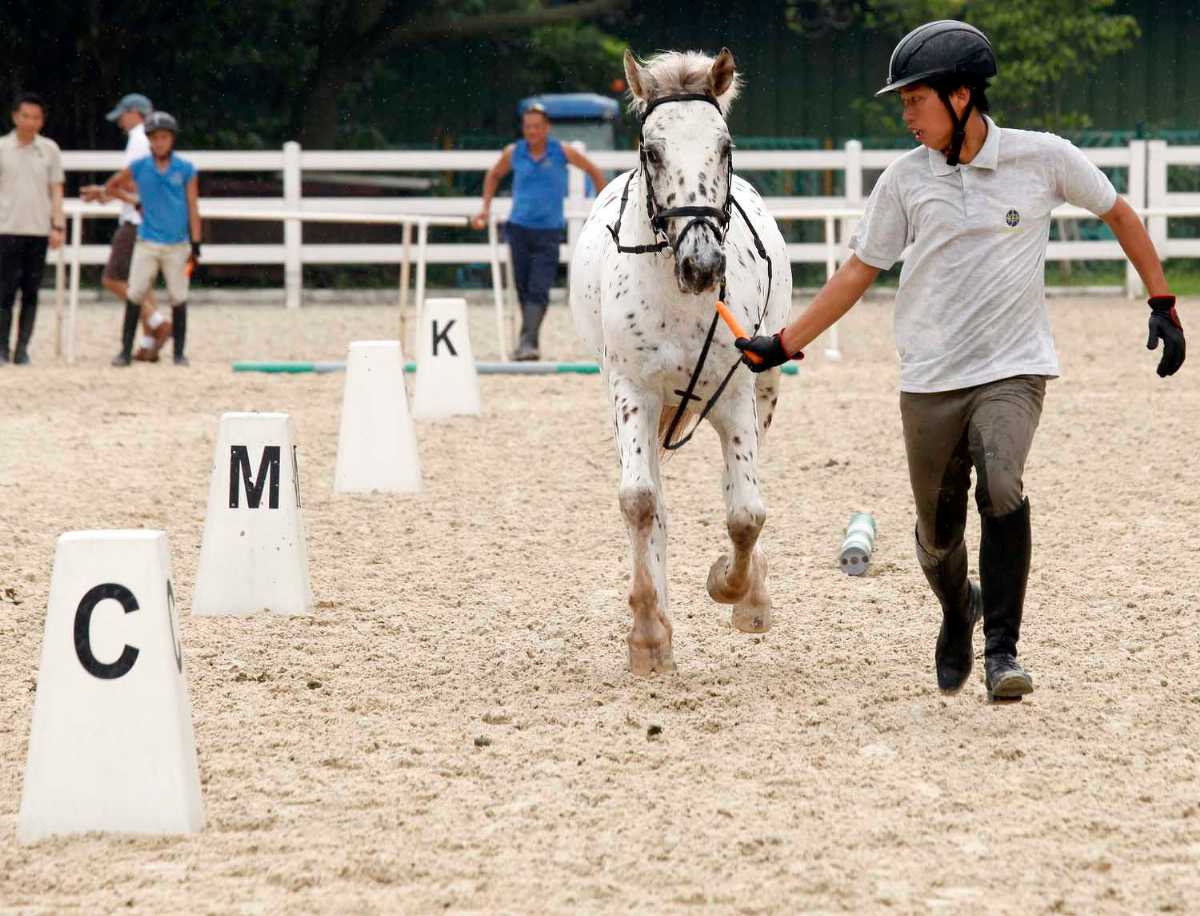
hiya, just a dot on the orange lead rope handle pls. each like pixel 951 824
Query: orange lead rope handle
pixel 723 311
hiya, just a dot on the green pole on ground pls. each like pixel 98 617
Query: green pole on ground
pixel 531 368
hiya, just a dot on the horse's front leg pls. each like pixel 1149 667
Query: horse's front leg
pixel 635 417
pixel 742 581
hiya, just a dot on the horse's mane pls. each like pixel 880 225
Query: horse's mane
pixel 675 72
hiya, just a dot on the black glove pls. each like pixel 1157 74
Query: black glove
pixel 1165 326
pixel 196 252
pixel 769 350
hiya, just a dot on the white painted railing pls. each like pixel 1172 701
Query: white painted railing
pixel 1147 163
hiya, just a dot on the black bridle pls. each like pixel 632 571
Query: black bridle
pixel 717 220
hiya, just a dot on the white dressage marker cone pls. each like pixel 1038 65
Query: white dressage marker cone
pixel 111 747
pixel 253 556
pixel 447 383
pixel 377 448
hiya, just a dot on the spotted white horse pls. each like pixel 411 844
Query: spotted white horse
pixel 658 247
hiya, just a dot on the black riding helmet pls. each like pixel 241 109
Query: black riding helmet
pixel 945 53
pixel 160 120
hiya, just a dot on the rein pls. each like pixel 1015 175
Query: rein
pixel 717 220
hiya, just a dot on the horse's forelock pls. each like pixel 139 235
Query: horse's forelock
pixel 677 72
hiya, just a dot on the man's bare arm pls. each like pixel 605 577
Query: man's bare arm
pixel 57 219
pixel 193 200
pixel 120 181
pixel 579 160
pixel 491 183
pixel 834 300
pixel 1135 242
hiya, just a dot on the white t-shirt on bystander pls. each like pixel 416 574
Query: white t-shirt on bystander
pixel 971 307
pixel 137 146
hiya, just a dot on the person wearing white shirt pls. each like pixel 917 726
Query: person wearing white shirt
pixel 971 206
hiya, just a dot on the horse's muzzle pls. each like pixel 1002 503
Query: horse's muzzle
pixel 699 272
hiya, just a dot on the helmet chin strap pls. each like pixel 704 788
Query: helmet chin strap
pixel 959 135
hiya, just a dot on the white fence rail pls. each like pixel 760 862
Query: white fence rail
pixel 1147 164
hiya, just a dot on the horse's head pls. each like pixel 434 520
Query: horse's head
pixel 686 156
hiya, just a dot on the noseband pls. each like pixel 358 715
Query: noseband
pixel 716 219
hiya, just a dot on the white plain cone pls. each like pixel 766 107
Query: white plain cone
pixel 253 556
pixel 447 383
pixel 111 747
pixel 377 447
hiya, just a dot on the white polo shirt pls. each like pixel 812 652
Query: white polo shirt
pixel 136 147
pixel 971 307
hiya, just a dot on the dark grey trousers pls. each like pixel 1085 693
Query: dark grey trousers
pixel 989 427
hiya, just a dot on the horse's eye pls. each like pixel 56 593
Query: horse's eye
pixel 652 155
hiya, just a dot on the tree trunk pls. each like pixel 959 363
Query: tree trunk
pixel 319 116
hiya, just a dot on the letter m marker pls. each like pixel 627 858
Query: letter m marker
pixel 240 472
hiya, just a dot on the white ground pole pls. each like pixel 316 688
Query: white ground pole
pixel 79 212
pixel 405 271
pixel 498 290
pixel 73 309
pixel 60 270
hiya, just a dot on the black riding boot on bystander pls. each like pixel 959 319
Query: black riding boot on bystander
pixel 179 326
pixel 128 329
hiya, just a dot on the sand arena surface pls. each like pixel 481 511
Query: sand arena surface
pixel 814 768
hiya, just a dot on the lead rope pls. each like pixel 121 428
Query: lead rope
pixel 687 395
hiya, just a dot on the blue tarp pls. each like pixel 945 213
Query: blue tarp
pixel 574 106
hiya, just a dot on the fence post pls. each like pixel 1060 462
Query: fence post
pixel 1156 192
pixel 293 266
pixel 1136 193
pixel 576 194
pixel 854 187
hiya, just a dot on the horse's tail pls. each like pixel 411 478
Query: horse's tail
pixel 686 421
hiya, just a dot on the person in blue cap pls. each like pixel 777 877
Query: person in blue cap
pixel 535 226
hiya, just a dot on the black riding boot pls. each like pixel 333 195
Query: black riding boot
pixel 128 330
pixel 531 324
pixel 5 331
pixel 1004 551
pixel 179 330
pixel 24 332
pixel 959 597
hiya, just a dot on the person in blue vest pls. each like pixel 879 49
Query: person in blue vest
pixel 169 236
pixel 535 225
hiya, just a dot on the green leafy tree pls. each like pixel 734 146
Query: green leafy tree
pixel 328 72
pixel 1043 46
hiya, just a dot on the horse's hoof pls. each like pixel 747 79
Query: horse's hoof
pixel 751 618
pixel 647 660
pixel 718 583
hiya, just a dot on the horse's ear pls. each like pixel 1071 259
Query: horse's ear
pixel 635 76
pixel 720 75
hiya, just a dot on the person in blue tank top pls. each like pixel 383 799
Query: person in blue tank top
pixel 535 227
pixel 168 238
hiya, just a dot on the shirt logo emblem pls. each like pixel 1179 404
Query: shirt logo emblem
pixel 1012 218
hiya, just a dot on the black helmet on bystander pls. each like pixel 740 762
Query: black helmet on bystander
pixel 160 120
